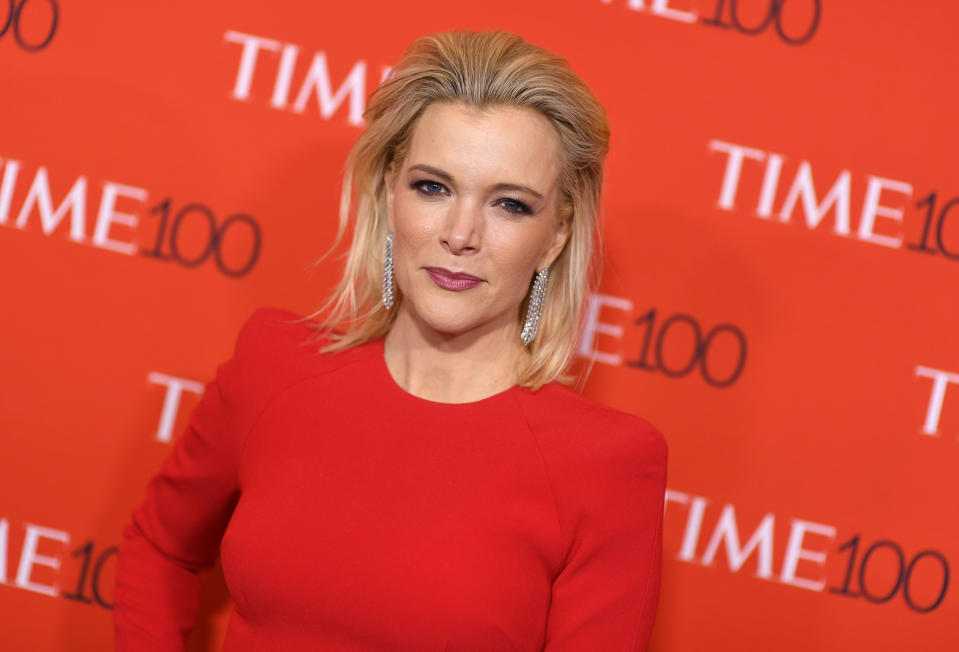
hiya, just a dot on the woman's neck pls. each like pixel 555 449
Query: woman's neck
pixel 445 368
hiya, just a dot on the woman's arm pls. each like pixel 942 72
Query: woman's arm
pixel 606 596
pixel 176 531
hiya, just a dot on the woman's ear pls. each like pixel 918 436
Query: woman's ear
pixel 555 247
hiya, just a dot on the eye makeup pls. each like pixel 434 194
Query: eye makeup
pixel 510 205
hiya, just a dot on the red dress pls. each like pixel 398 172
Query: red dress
pixel 351 515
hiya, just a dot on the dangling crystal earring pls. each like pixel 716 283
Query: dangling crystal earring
pixel 388 272
pixel 535 305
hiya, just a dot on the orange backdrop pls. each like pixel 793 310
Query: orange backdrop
pixel 779 297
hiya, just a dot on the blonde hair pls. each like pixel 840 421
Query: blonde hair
pixel 480 70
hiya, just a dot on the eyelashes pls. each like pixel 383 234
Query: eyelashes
pixel 422 187
pixel 431 188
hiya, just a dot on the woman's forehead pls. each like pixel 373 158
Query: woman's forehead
pixel 501 144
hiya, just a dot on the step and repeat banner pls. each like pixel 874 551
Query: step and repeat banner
pixel 779 296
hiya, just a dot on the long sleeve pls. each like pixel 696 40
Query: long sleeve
pixel 606 596
pixel 175 532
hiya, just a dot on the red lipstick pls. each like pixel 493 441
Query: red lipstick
pixel 455 281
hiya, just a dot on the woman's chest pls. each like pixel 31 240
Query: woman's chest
pixel 394 530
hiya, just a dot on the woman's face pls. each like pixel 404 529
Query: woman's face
pixel 476 195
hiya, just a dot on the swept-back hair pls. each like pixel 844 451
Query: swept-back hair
pixel 480 70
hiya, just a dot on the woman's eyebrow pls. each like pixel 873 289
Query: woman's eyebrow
pixel 445 176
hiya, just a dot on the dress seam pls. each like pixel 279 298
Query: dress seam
pixel 649 574
pixel 657 536
pixel 244 442
pixel 563 548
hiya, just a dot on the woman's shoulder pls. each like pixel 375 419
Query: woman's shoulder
pixel 270 329
pixel 569 422
pixel 274 351
pixel 276 347
pixel 271 325
pixel 269 335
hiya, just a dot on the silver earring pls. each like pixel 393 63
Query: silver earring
pixel 535 306
pixel 388 272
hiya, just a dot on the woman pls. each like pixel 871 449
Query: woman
pixel 418 479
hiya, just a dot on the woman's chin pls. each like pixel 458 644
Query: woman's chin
pixel 451 323
pixel 452 316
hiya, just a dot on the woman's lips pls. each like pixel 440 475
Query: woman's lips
pixel 456 281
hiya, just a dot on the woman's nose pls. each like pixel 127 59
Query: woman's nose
pixel 463 227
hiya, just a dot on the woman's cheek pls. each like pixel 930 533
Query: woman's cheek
pixel 517 249
pixel 419 223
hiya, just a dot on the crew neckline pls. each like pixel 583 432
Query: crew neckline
pixel 379 353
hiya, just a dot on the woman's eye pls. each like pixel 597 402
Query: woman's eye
pixel 433 188
pixel 517 207
pixel 429 187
